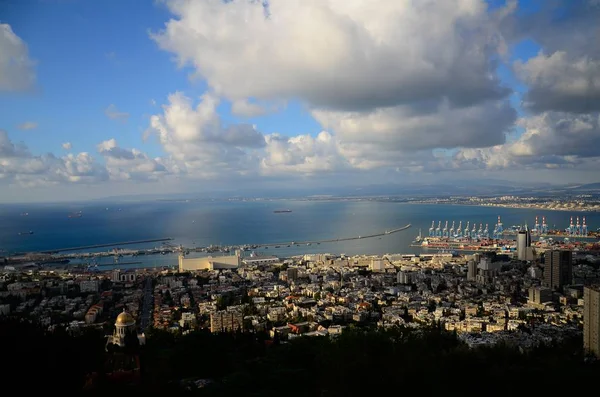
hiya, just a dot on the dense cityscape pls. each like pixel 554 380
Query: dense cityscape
pixel 327 198
pixel 531 296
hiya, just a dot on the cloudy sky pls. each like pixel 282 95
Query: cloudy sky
pixel 102 98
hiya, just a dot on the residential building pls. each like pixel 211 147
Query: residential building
pixel 558 269
pixel 591 319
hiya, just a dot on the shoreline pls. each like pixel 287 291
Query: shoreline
pixel 511 206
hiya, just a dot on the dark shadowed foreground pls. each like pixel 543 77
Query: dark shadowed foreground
pixel 359 362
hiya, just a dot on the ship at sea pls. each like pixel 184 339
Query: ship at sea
pixel 75 214
pixel 25 233
pixel 282 211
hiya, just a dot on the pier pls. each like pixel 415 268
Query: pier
pixel 387 232
pixel 62 253
pixel 83 247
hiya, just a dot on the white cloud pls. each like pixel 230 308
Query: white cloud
pixel 17 72
pixel 28 125
pixel 114 114
pixel 243 107
pixel 19 166
pixel 342 54
pixel 130 164
pixel 385 79
pixel 198 141
pixel 302 154
pixel 67 146
pixel 405 128
pixel 560 83
pixel 550 140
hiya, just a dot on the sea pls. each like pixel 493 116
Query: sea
pixel 204 223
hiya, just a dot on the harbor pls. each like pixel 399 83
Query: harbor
pixel 64 256
pixel 473 239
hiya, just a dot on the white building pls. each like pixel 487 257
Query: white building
pixel 254 259
pixel 209 263
pixel 377 265
pixel 119 276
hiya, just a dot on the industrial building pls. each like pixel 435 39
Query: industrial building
pixel 591 319
pixel 209 263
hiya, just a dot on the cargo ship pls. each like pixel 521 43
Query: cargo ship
pixel 282 211
pixel 25 233
pixel 75 215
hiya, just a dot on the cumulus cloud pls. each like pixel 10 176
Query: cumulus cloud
pixel 18 165
pixel 243 107
pixel 130 164
pixel 550 140
pixel 67 146
pixel 28 125
pixel 558 82
pixel 339 54
pixel 17 72
pixel 406 128
pixel 576 30
pixel 384 79
pixel 302 154
pixel 200 143
pixel 114 114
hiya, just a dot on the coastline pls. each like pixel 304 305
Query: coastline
pixel 512 206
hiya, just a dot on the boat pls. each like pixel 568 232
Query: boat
pixel 282 211
pixel 75 215
pixel 24 213
pixel 25 233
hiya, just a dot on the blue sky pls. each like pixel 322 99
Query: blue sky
pixel 85 50
pixel 319 118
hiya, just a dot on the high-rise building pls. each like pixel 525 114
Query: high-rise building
pixel 591 319
pixel 558 269
pixel 540 295
pixel 292 273
pixel 404 277
pixel 472 270
pixel 523 243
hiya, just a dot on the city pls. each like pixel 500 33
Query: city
pixel 526 298
pixel 299 197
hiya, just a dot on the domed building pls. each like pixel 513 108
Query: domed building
pixel 125 330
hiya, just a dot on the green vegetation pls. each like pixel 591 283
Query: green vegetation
pixel 359 362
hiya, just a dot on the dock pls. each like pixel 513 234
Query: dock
pixel 84 247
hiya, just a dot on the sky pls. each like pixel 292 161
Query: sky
pixel 107 98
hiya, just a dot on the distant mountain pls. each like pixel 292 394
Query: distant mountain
pixel 588 187
pixel 475 187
